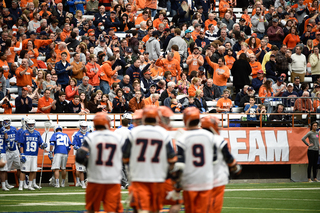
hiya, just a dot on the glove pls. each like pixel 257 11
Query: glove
pixel 235 169
pixel 50 155
pixel 173 195
pixel 76 147
pixel 43 145
pixel 23 158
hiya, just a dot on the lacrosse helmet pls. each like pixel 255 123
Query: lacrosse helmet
pixel 83 127
pixel 6 121
pixel 31 124
pixel 211 122
pixel 57 127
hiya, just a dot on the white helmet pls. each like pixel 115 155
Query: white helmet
pixel 24 121
pixel 57 127
pixel 31 124
pixel 83 127
pixel 6 121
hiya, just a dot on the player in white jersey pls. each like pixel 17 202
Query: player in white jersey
pixel 195 154
pixel 150 156
pixel 101 153
pixel 78 138
pixel 222 162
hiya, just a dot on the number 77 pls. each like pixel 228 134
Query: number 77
pixel 144 142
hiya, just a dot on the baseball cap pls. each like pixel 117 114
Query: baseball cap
pixel 148 72
pixel 43 33
pixel 128 35
pixel 25 88
pixel 129 50
pixel 102 39
pixel 201 68
pixel 250 88
pixel 43 4
pixel 200 7
pixel 242 19
pixel 84 38
pixel 153 85
pixel 283 75
pixel 309 25
pixel 260 72
pixel 146 53
pixel 113 12
pixel 91 34
pixel 290 84
pixel 254 35
pixel 33 33
pixel 91 30
pixel 114 37
pixel 275 20
pixel 100 23
pixel 188 31
pixel 272 55
pixel 280 79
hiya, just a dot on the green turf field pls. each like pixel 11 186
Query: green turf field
pixel 239 198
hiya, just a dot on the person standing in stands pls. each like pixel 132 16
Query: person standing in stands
pixel 313 151
pixel 63 70
pixel 23 103
pixel 24 75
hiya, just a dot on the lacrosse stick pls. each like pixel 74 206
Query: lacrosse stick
pixel 47 126
pixel 127 201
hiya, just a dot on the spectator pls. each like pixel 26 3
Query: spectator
pixel 271 68
pixel 2 81
pixel 183 84
pixel 34 24
pixel 316 88
pixel 303 104
pixel 107 73
pixel 259 23
pixel 94 105
pixel 23 103
pixel 251 109
pixel 84 103
pixel 255 65
pixel 85 87
pixel 61 105
pixel 241 70
pixel 279 87
pixel 136 102
pixel 152 100
pixel 119 103
pixel 292 39
pixel 182 45
pixel 228 21
pixel 175 106
pixel 106 103
pixel 245 100
pixel 6 105
pixel 78 69
pixel 46 104
pixel 153 46
pixel 92 7
pixel 24 75
pixel 224 104
pixel 240 95
pixel 266 58
pixel 72 89
pixel 283 58
pixel 299 65
pixel 275 33
pixel 289 93
pixel 34 95
pixel 262 50
pixel 170 64
pixel 75 105
pixel 114 88
pixel 218 54
pixel 314 60
pixel 195 85
pixel 200 102
pixel 316 102
pixel 134 70
pixel 279 116
pixel 211 91
pixel 297 85
pixel 266 91
pixel 93 72
pixel 195 60
pixel 125 82
pixel 63 70
pixel 167 101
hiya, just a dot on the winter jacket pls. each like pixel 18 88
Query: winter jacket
pixel 117 108
pixel 63 74
pixel 133 72
pixel 270 70
pixel 153 48
pixel 134 105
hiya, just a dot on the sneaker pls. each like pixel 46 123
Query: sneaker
pixel 9 186
pixel 5 189
pixel 62 185
pixel 127 186
pixel 315 180
pixel 122 187
pixel 78 184
pixel 20 189
pixel 57 186
pixel 310 181
pixel 36 186
pixel 84 186
pixel 31 188
pixel 25 186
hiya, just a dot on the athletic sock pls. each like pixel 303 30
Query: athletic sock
pixel 78 180
pixel 82 183
pixel 63 181
pixel 34 182
pixel 21 184
pixel 6 182
pixel 30 184
pixel 57 181
pixel 3 184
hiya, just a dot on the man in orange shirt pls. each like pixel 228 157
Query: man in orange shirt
pixel 317 39
pixel 224 104
pixel 221 72
pixel 196 32
pixel 146 38
pixel 144 17
pixel 210 21
pixel 255 65
pixel 107 73
pixel 170 64
pixel 223 8
pixel 37 42
pixel 45 104
pixel 60 48
pixel 195 60
pixel 24 75
pixel 66 32
pixel 152 100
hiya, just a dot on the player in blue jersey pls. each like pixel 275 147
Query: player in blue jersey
pixel 9 133
pixel 30 142
pixel 60 143
pixel 77 143
pixel 3 157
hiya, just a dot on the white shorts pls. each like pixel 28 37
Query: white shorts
pixel 59 160
pixel 30 165
pixel 13 160
pixel 80 167
pixel 3 156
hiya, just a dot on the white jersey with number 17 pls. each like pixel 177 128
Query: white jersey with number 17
pixel 105 158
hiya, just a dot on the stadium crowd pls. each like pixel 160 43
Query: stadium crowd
pixel 183 55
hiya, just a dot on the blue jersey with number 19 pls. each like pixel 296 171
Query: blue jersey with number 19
pixel 61 143
pixel 78 138
pixel 31 142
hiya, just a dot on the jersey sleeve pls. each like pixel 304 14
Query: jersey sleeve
pixel 180 152
pixel 171 155
pixel 76 141
pixel 126 149
pixel 53 139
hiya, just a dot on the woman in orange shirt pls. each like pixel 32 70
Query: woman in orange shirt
pixel 40 79
pixel 229 59
pixel 72 89
pixel 33 53
pixel 266 91
pixel 253 44
pixel 195 85
pixel 11 50
pixel 106 103
pixel 292 39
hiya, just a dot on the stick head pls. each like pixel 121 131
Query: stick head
pixel 47 125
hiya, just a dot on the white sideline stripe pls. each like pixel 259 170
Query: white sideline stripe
pixel 272 209
pixel 271 189
pixel 52 204
pixel 265 198
pixel 45 194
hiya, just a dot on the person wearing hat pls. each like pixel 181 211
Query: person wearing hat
pixel 153 46
pixel 275 33
pixel 259 80
pixel 243 27
pixel 202 41
pixel 259 23
pixel 195 60
pixel 23 103
pixel 112 21
pixel 271 68
pixel 129 58
pixel 279 87
pixel 289 93
pixel 102 47
pixel 308 34
pixel 188 38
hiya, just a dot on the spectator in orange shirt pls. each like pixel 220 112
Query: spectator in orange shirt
pixel 209 21
pixel 144 17
pixel 255 65
pixel 46 104
pixel 195 60
pixel 146 38
pixel 66 32
pixel 33 53
pixel 196 31
pixel 292 39
pixel 158 21
pixel 224 104
pixel 317 39
pixel 6 105
pixel 24 75
pixel 223 8
pixel 195 85
pixel 93 71
pixel 170 64
pixel 229 58
pixel 4 64
pixel 152 100
pixel 107 73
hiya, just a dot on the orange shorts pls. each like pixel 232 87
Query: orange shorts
pixel 168 188
pixel 197 201
pixel 217 199
pixel 147 196
pixel 108 194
